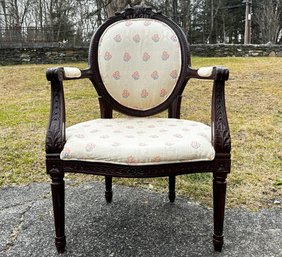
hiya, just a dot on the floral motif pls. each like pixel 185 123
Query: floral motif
pixel 156 38
pixel 66 153
pixel 126 57
pixel 125 93
pixel 144 93
pixel 147 23
pixel 107 56
pixel 131 160
pixel 155 75
pixel 116 75
pixel 163 92
pixel 135 75
pixel 195 144
pixel 80 136
pixel 128 23
pixel 118 38
pixel 136 38
pixel 90 147
pixel 156 159
pixel 173 74
pixel 146 57
pixel 165 55
pixel 173 38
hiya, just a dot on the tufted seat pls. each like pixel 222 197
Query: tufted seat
pixel 138 141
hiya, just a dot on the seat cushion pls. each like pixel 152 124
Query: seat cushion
pixel 138 141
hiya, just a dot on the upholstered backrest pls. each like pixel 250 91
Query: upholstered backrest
pixel 139 61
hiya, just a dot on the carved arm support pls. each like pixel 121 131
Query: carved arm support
pixel 220 130
pixel 219 123
pixel 55 136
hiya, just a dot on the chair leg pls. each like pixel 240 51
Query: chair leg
pixel 171 193
pixel 219 193
pixel 108 192
pixel 58 197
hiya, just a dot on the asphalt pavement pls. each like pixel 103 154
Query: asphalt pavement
pixel 137 223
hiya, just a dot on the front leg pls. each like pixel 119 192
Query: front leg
pixel 58 198
pixel 219 192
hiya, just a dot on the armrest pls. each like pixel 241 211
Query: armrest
pixel 67 73
pixel 211 73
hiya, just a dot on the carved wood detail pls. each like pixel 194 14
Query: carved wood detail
pixel 55 136
pixel 146 171
pixel 221 134
pixel 139 11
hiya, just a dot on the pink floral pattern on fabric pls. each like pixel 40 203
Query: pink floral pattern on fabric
pixel 147 23
pixel 116 75
pixel 125 93
pixel 107 56
pixel 128 23
pixel 118 38
pixel 135 75
pixel 144 93
pixel 139 141
pixel 126 57
pixel 173 38
pixel 146 57
pixel 163 92
pixel 165 55
pixel 156 37
pixel 131 160
pixel 136 38
pixel 173 74
pixel 90 147
pixel 155 75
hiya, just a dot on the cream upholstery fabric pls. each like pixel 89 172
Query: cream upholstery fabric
pixel 138 141
pixel 139 61
pixel 205 71
pixel 72 72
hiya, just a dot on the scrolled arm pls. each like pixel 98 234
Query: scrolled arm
pixel 55 136
pixel 211 73
pixel 67 73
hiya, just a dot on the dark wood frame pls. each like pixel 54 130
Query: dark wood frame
pixel 55 138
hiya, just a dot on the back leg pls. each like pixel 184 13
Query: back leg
pixel 171 193
pixel 108 192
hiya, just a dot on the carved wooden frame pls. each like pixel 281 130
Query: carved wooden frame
pixel 55 137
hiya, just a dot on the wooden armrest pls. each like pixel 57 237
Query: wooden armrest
pixel 67 73
pixel 212 73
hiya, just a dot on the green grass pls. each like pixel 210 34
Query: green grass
pixel 253 97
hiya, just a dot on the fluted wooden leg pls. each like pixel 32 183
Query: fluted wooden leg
pixel 58 197
pixel 108 192
pixel 219 192
pixel 171 193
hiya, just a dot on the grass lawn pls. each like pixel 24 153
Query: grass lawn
pixel 254 104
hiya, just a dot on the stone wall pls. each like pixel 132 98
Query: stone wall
pixel 9 56
pixel 224 50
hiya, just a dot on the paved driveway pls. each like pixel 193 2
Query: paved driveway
pixel 137 223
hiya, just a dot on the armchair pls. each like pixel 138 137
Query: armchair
pixel 139 64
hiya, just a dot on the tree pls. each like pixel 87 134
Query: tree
pixel 268 16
